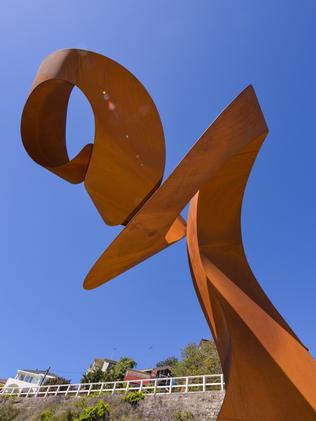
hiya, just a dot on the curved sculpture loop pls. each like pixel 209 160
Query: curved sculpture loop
pixel 269 374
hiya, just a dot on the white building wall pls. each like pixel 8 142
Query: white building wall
pixel 29 379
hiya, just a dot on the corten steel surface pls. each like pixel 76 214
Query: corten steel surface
pixel 269 374
pixel 126 162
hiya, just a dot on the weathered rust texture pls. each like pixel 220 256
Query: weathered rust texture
pixel 126 162
pixel 269 374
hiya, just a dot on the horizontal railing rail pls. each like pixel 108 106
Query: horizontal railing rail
pixel 157 386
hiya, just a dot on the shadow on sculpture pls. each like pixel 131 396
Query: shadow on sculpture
pixel 269 374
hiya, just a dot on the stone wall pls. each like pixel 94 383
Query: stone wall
pixel 203 406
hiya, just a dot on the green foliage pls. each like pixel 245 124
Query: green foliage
pixel 8 412
pixel 56 380
pixel 183 416
pixel 94 413
pixel 170 361
pixel 118 371
pixel 115 373
pixel 197 360
pixel 81 403
pixel 46 416
pixel 95 376
pixel 133 398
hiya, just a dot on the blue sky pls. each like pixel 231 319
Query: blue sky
pixel 194 57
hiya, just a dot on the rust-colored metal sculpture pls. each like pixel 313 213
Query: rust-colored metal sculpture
pixel 269 374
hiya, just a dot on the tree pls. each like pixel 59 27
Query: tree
pixel 198 359
pixel 115 373
pixel 94 376
pixel 118 371
pixel 170 361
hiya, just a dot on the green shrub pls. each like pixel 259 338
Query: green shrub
pixel 81 403
pixel 183 416
pixel 46 416
pixel 134 397
pixel 94 413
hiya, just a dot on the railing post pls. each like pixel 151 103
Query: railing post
pixel 114 386
pixel 90 387
pixel 101 388
pixel 204 382
pixel 67 390
pixel 170 387
pixel 78 390
pixel 57 390
pixel 141 385
pixel 155 387
pixel 127 386
pixel 222 382
pixel 186 384
pixel 28 392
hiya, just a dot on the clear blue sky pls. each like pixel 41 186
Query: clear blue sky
pixel 193 57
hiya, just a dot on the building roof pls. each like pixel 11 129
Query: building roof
pixel 204 341
pixel 132 374
pixel 37 371
pixel 108 360
pixel 160 368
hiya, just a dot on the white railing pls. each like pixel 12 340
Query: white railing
pixel 158 386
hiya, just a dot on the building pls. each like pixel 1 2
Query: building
pixel 132 374
pixel 26 378
pixel 204 342
pixel 103 364
pixel 148 373
pixel 161 372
